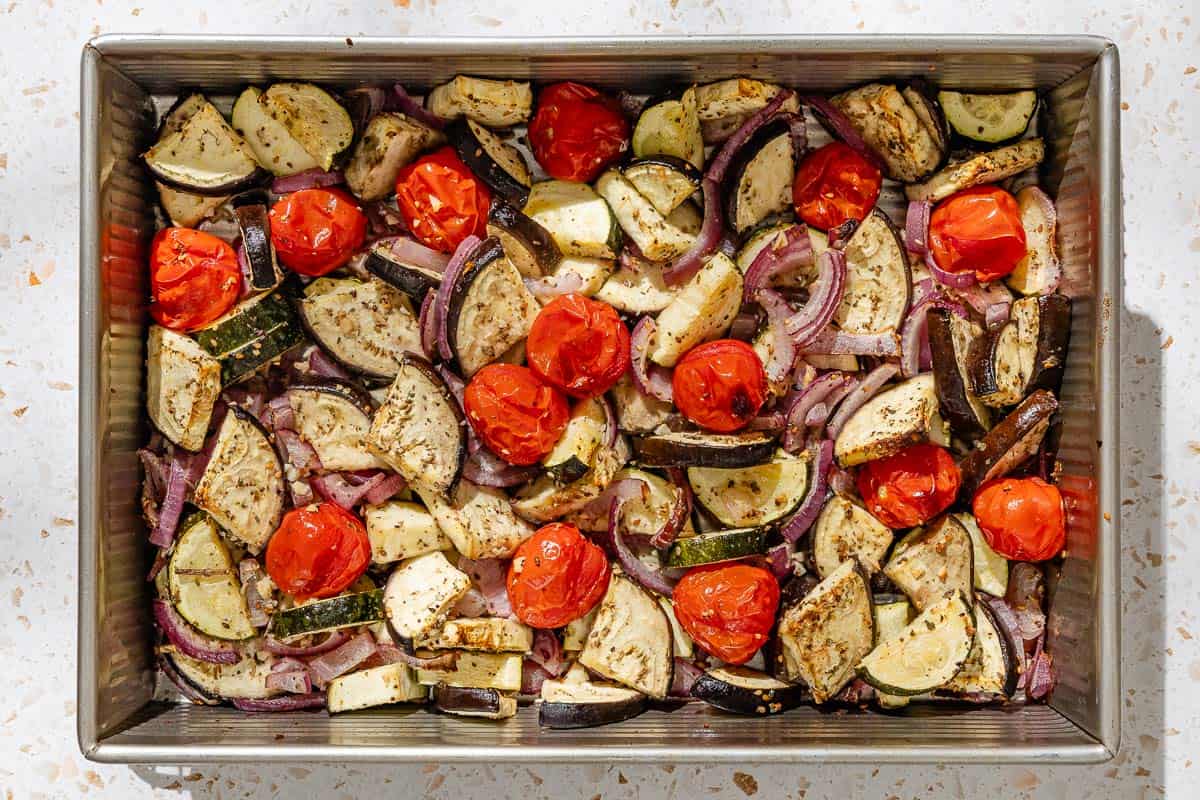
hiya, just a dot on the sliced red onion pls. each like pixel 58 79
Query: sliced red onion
pixel 363 103
pixel 337 488
pixel 711 230
pixel 744 326
pixel 825 295
pixel 870 385
pixel 533 675
pixel 1041 675
pixel 190 641
pixel 341 660
pixel 856 693
pixel 385 489
pixel 799 404
pixel 289 702
pixel 834 342
pixel 996 314
pixel 788 250
pixel 297 452
pixel 955 280
pixel 772 421
pixel 914 333
pixel 296 681
pixel 841 127
pixel 611 428
pixel 651 379
pixel 1025 596
pixel 427 323
pixel 720 163
pixel 842 482
pixel 249 574
pixel 840 236
pixel 172 505
pixel 623 491
pixel 485 468
pixel 471 604
pixel 783 345
pixel 779 559
pixel 922 289
pixel 821 458
pixel 156 470
pixel 334 640
pixel 548 287
pixel 462 254
pixel 916 226
pixel 281 413
pixel 403 102
pixel 315 178
pixel 404 652
pixel 407 251
pixel 321 365
pixel 817 415
pixel 491 576
pixel 547 652
pixel 244 264
pixel 982 297
pixel 680 510
pixel 798 129
pixel 384 221
pixel 684 678
pixel 631 104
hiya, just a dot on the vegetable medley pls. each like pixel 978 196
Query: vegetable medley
pixel 554 394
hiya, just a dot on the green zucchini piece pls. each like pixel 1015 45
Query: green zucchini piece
pixel 572 455
pixel 343 611
pixel 203 582
pixel 255 333
pixel 988 118
pixel 926 654
pixel 752 496
pixel 709 548
pixel 892 615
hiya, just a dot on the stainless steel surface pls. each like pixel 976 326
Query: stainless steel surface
pixel 118 718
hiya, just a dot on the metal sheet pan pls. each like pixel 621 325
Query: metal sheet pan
pixel 119 719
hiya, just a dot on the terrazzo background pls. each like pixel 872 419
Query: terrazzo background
pixel 39 55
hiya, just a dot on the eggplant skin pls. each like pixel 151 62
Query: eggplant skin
pixel 952 389
pixel 700 450
pixel 1008 445
pixel 742 700
pixel 566 716
pixel 477 158
pixel 539 246
pixel 466 700
pixel 1054 335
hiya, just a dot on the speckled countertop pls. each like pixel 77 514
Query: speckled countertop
pixel 39 55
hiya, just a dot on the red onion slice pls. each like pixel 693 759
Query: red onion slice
pixel 290 702
pixel 996 314
pixel 840 126
pixel 623 491
pixel 772 421
pixel 548 287
pixel 337 488
pixel 842 482
pixel 341 660
pixel 321 365
pixel 680 510
pixel 779 560
pixel 688 264
pixel 190 641
pixel 955 280
pixel 798 129
pixel 249 574
pixel 1041 675
pixel 684 678
pixel 296 681
pixel 385 489
pixel 821 457
pixel 817 415
pixel 280 413
pixel 799 404
pixel 485 468
pixel 406 104
pixel 825 295
pixel 491 576
pixel 334 640
pixel 315 178
pixel 788 250
pixel 547 652
pixel 870 385
pixel 783 346
pixel 172 505
pixel 405 653
pixel 384 221
pixel 835 342
pixel 462 254
pixel 532 678
pixel 720 163
pixel 981 297
pixel 407 251
pixel 471 604
pixel 916 226
pixel 651 379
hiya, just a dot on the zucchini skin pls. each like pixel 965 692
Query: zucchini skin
pixel 711 548
pixel 323 615
pixel 253 337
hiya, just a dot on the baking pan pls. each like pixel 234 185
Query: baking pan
pixel 119 718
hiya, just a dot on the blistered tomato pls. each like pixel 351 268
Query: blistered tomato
pixel 728 609
pixel 977 230
pixel 318 551
pixel 910 487
pixel 720 385
pixel 315 231
pixel 835 184
pixel 556 576
pixel 194 278
pixel 1022 518
pixel 442 201
pixel 517 415
pixel 577 131
pixel 578 345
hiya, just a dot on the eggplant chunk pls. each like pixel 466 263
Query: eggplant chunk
pixel 497 163
pixel 187 209
pixel 183 383
pixel 529 246
pixel 389 143
pixel 1011 443
pixel 759 181
pixel 1046 320
pixel 990 167
pixel 925 563
pixel 1039 270
pixel 950 338
pixel 1026 353
pixel 314 119
pixel 878 280
pixel 479 520
pixel 497 104
pixel 890 421
pixel 420 593
pixel 692 449
pixel 847 530
pixel 892 128
pixel 630 641
pixel 273 146
pixel 701 310
pixel 568 703
pixel 724 106
pixel 490 309
pixel 470 701
pixel 205 156
pixel 746 691
pixel 367 326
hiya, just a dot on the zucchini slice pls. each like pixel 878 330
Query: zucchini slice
pixel 478 520
pixel 472 701
pixel 490 634
pixel 204 156
pixel 415 281
pixel 890 421
pixel 490 309
pixel 529 246
pixel 652 232
pixel 950 339
pixel 878 279
pixel 312 117
pixel 740 690
pixel 343 611
pixel 988 118
pixel 580 220
pixel 477 670
pixel 247 679
pixel 752 496
pixel 273 146
pixel 991 666
pixel 759 181
pixel 377 686
pixel 399 530
pixel 906 142
pixel 1040 269
pixel 203 582
pixel 545 499
pixel 926 654
pixel 892 615
pixel 671 128
pixel 367 326
pixel 420 593
pixel 637 291
pixel 927 563
pixel 711 548
pixel 638 516
pixel 630 642
pixel 846 530
pixel 242 486
pixel 665 181
pixel 255 334
pixel 991 167
pixel 568 704
pixel 724 106
pixel 991 568
pixel 497 163
pixel 693 449
pixel 497 104
pixel 335 423
pixel 1011 443
pixel 183 383
pixel 574 452
pixel 825 635
pixel 702 309
pixel 389 143
pixel 420 430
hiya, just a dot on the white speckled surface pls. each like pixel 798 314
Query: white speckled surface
pixel 39 54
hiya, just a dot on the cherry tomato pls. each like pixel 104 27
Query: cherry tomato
pixel 194 278
pixel 441 201
pixel 1022 518
pixel 909 487
pixel 577 131
pixel 720 385
pixel 318 551
pixel 556 576
pixel 835 184
pixel 978 229
pixel 728 609
pixel 315 231
pixel 516 414
pixel 578 345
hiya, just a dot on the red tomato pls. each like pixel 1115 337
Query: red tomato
pixel 441 200
pixel 728 609
pixel 910 487
pixel 1022 518
pixel 315 231
pixel 194 278
pixel 720 385
pixel 556 576
pixel 516 415
pixel 318 551
pixel 835 184
pixel 978 229
pixel 578 345
pixel 577 131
